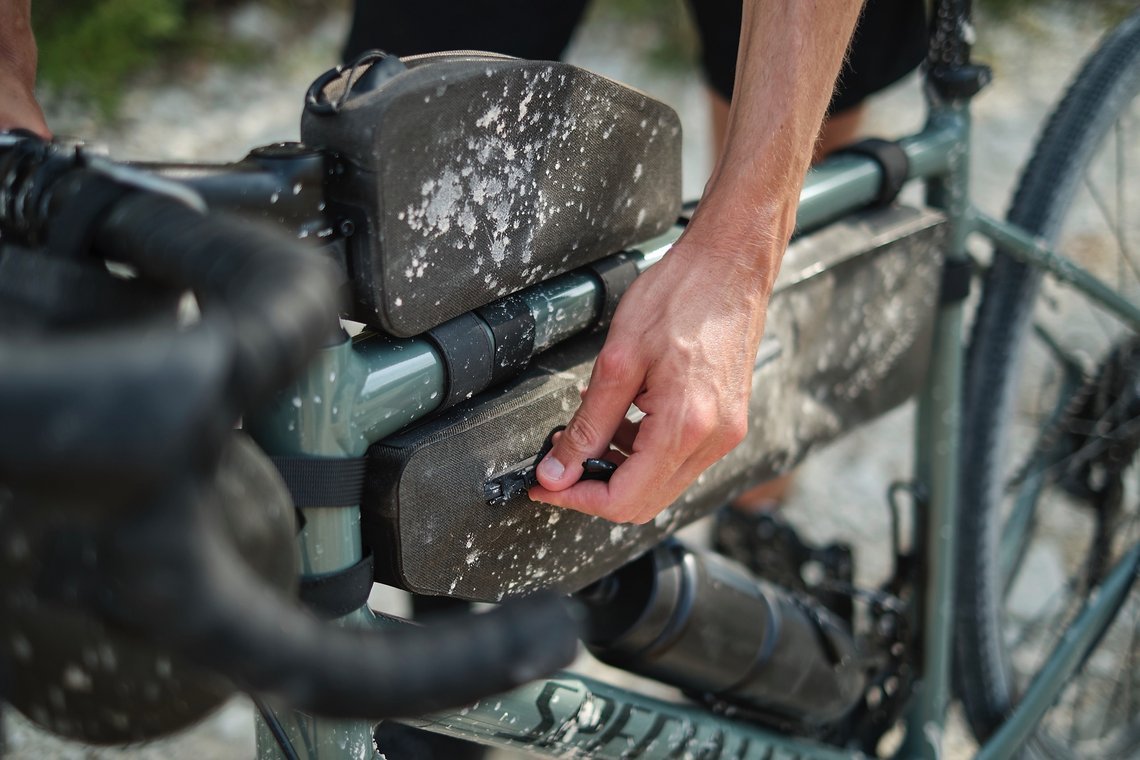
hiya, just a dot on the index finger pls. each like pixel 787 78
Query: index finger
pixel 614 383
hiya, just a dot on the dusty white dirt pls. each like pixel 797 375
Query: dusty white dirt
pixel 840 491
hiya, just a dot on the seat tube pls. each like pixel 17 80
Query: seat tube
pixel 937 445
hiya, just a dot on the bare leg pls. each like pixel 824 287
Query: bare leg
pixel 838 130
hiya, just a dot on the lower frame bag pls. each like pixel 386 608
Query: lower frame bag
pixel 848 338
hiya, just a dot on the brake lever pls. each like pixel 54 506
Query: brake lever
pixel 521 477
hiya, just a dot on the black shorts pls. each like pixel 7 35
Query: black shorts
pixel 889 42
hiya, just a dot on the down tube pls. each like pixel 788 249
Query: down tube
pixel 574 716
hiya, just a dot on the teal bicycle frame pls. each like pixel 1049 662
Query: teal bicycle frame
pixel 374 386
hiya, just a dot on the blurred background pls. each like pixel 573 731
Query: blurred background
pixel 210 79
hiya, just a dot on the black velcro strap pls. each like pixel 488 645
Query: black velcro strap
pixel 688 208
pixel 333 595
pixel 956 277
pixel 322 481
pixel 512 326
pixel 616 273
pixel 894 165
pixel 468 352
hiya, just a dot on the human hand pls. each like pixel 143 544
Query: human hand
pixel 681 347
pixel 18 107
pixel 683 342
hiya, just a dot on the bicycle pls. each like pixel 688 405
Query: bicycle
pixel 954 537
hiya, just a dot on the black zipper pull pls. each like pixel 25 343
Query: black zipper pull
pixel 520 478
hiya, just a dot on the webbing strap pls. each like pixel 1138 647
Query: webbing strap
pixel 512 326
pixel 894 165
pixel 956 278
pixel 333 595
pixel 616 273
pixel 322 481
pixel 466 346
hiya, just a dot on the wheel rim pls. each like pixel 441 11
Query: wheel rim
pixel 1055 546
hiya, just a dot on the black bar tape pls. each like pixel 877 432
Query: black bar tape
pixel 894 165
pixel 79 215
pixel 333 595
pixel 616 274
pixel 468 354
pixel 322 481
pixel 512 325
pixel 278 298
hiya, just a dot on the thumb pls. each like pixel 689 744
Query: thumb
pixel 612 389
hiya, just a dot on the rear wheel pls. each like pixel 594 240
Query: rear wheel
pixel 1051 480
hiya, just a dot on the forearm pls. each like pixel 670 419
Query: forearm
pixel 17 44
pixel 682 343
pixel 18 107
pixel 790 53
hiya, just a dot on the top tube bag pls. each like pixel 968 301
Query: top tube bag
pixel 468 176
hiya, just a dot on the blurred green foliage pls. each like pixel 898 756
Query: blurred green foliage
pixel 93 49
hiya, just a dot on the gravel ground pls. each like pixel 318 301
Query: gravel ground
pixel 220 114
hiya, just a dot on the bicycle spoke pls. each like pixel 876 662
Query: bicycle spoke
pixel 1120 189
pixel 1081 687
pixel 1040 621
pixel 1062 490
pixel 1091 684
pixel 1119 701
pixel 1125 683
pixel 1096 446
pixel 1011 550
pixel 1072 715
pixel 1044 429
pixel 1086 453
pixel 1114 224
pixel 1132 671
pixel 1074 369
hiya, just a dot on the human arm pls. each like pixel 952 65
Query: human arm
pixel 18 106
pixel 684 339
